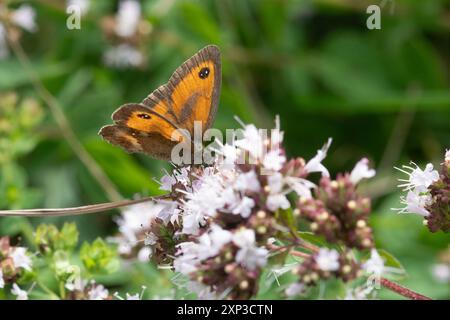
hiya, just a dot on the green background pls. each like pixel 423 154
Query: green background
pixel 383 94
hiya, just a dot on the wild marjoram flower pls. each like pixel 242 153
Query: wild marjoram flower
pixel 82 5
pixel 216 224
pixel 126 30
pixel 4 51
pixel 21 294
pixel 128 17
pixel 123 56
pixel 15 262
pixel 23 18
pixel 428 194
pixel 2 281
pixel 134 224
pixel 337 211
pixel 136 296
pixel 20 258
pixel 441 270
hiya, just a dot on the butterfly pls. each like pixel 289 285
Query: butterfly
pixel 190 95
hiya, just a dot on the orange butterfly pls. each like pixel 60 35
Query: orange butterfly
pixel 191 94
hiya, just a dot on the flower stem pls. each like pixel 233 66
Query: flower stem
pixel 407 293
pixel 62 290
pixel 388 284
pixel 275 248
pixel 51 294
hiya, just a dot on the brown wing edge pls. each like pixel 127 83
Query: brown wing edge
pixel 210 52
pixel 152 144
pixel 114 135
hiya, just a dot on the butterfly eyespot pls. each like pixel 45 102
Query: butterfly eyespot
pixel 144 116
pixel 204 73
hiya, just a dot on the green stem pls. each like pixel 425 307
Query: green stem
pixel 53 295
pixel 62 290
pixel 28 233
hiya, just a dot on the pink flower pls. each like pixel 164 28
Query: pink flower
pixel 361 171
pixel 315 164
pixel 327 259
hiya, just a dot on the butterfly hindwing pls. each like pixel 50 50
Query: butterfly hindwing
pixel 133 140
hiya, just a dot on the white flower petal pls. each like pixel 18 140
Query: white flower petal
pixel 274 160
pixel 25 17
pixel 2 281
pixel 361 171
pixel 83 5
pixel 21 259
pixel 21 294
pixel 247 181
pixel 328 259
pixel 315 164
pixel 375 265
pixel 98 292
pixel 441 272
pixel 128 17
pixel 123 56
pixel 277 201
pixel 295 289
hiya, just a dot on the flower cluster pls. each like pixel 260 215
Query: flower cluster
pixel 325 264
pixel 80 289
pixel 218 222
pixel 441 270
pixel 428 194
pixel 135 223
pixel 15 266
pixel 81 5
pixel 127 32
pixel 56 248
pixel 22 18
pixel 338 212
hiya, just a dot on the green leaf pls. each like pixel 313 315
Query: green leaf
pixel 69 235
pixel 63 268
pixel 312 238
pixel 48 239
pixel 98 257
pixel 74 87
pixel 205 27
pixel 123 169
pixel 12 226
pixel 390 260
pixel 13 74
pixel 288 219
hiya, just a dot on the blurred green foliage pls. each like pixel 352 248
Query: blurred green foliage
pixel 98 257
pixel 383 94
pixel 49 239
